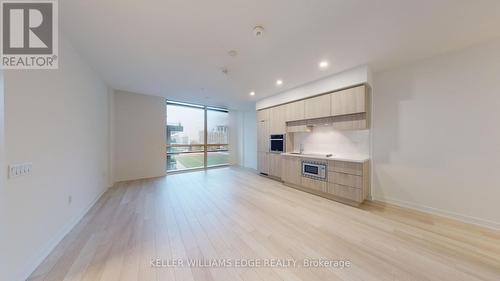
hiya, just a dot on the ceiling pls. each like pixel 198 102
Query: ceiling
pixel 177 48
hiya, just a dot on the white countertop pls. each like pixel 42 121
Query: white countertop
pixel 337 157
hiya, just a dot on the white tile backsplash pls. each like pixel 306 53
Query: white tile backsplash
pixel 325 139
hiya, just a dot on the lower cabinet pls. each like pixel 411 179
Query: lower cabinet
pixel 275 165
pixel 346 192
pixel 316 185
pixel 347 182
pixel 291 170
pixel 263 162
pixel 346 179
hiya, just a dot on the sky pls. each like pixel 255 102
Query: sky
pixel 192 119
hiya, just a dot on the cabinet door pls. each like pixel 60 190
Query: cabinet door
pixel 275 165
pixel 263 136
pixel 277 120
pixel 349 101
pixel 317 107
pixel 263 162
pixel 263 115
pixel 291 170
pixel 294 111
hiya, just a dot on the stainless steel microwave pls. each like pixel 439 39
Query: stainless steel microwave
pixel 313 169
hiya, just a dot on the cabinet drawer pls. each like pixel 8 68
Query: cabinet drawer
pixel 314 184
pixel 347 192
pixel 346 167
pixel 345 179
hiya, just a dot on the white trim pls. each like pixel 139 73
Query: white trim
pixel 443 213
pixel 37 259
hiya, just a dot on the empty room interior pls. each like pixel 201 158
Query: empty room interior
pixel 349 140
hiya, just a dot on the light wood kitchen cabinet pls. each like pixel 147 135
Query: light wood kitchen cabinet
pixel 263 141
pixel 359 121
pixel 346 179
pixel 263 136
pixel 295 111
pixel 291 169
pixel 346 182
pixel 349 101
pixel 317 107
pixel 349 180
pixel 263 115
pixel 346 192
pixel 277 122
pixel 263 162
pixel 352 168
pixel 275 165
pixel 263 130
pixel 313 184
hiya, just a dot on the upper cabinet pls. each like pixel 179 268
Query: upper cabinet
pixel 349 101
pixel 294 111
pixel 317 107
pixel 348 110
pixel 277 123
pixel 263 115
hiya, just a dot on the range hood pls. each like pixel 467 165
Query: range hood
pixel 298 129
pixel 307 125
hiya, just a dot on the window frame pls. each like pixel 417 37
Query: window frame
pixel 205 144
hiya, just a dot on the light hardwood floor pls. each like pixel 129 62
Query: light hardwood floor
pixel 234 213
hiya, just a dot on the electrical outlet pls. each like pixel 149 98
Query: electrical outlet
pixel 19 170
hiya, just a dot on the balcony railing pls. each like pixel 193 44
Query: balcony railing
pixel 193 156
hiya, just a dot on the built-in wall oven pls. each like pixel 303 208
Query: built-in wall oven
pixel 277 143
pixel 315 170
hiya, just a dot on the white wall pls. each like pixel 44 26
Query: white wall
pixel 436 137
pixel 351 77
pixel 249 139
pixel 56 119
pixel 243 138
pixel 139 126
pixel 325 139
pixel 3 199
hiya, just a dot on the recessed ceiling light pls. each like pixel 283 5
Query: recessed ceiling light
pixel 252 93
pixel 279 82
pixel 323 64
pixel 232 53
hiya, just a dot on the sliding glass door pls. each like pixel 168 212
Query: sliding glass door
pixel 197 136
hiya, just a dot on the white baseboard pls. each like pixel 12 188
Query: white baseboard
pixel 443 213
pixel 36 260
